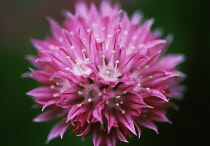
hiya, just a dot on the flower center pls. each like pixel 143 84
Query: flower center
pixel 115 104
pixel 90 94
pixel 79 64
pixel 109 71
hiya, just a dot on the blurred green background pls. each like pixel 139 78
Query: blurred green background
pixel 188 21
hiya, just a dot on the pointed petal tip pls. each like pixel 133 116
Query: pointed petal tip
pixel 36 120
pixel 125 141
pixel 65 12
pixel 29 93
pixel 48 140
pixel 155 129
pixel 169 38
pixel 32 40
pixel 43 108
pixel 67 120
pixel 170 122
pixel 61 135
pixel 50 19
pixel 25 75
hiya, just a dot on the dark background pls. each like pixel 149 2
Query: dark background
pixel 188 21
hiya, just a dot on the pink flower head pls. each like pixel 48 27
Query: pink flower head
pixel 103 73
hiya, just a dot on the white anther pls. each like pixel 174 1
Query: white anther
pixel 125 32
pixel 79 105
pixel 148 88
pixel 134 38
pixel 51 46
pixel 124 92
pixel 103 56
pixel 108 71
pixel 88 30
pixel 98 39
pixel 91 85
pixel 117 104
pixel 87 59
pixel 99 94
pixel 119 74
pixel 138 68
pixel 107 102
pixel 117 97
pixel 123 112
pixel 141 46
pixel 61 39
pixel 56 47
pixel 67 57
pixel 99 66
pixel 139 85
pixel 113 52
pixel 121 102
pixel 103 28
pixel 94 24
pixel 55 95
pixel 67 68
pixel 72 47
pixel 52 86
pixel 133 47
pixel 80 84
pixel 80 92
pixel 147 66
pixel 83 50
pixel 117 61
pixel 109 36
pixel 89 99
pixel 150 77
pixel 57 83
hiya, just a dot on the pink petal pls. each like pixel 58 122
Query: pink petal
pixel 56 29
pixel 158 94
pixel 97 138
pixel 170 61
pixel 48 115
pixel 41 92
pixel 127 122
pixel 58 129
pixel 120 136
pixel 148 124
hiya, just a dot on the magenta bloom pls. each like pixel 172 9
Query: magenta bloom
pixel 104 74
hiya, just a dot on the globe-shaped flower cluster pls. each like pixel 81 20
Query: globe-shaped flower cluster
pixel 104 74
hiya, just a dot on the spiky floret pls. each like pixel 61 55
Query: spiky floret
pixel 104 74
